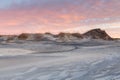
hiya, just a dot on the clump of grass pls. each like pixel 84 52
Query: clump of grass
pixel 23 36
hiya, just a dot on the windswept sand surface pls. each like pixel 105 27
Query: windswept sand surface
pixel 13 51
pixel 84 60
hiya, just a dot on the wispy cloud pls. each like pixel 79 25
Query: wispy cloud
pixel 56 14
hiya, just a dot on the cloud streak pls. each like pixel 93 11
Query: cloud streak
pixel 36 15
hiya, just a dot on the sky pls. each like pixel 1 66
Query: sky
pixel 39 16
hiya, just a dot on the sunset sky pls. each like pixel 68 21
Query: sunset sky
pixel 33 16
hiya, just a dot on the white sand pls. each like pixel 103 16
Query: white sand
pixel 13 51
pixel 89 61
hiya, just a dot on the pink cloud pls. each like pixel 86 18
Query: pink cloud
pixel 56 15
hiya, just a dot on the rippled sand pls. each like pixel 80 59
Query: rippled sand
pixel 84 60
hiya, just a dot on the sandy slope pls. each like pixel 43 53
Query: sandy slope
pixel 89 60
